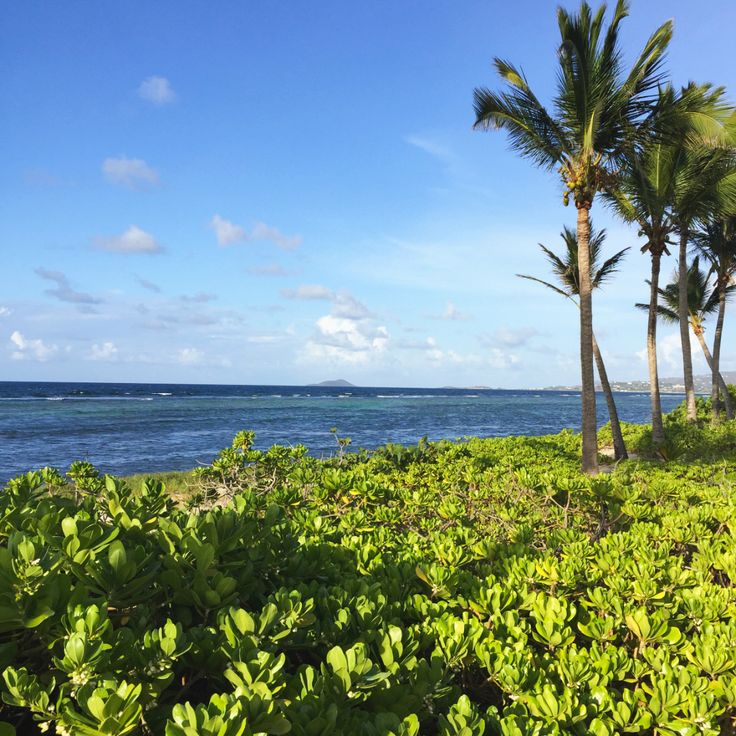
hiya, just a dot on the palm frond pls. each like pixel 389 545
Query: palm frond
pixel 531 129
pixel 703 116
pixel 608 268
pixel 715 241
pixel 561 268
pixel 554 288
pixel 664 312
pixel 704 184
pixel 565 266
pixel 611 42
pixel 635 98
pixel 644 190
pixel 646 76
pixel 712 302
pixel 622 204
pixel 596 240
pixel 598 107
pixel 700 293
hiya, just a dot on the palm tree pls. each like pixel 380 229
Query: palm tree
pixel 597 110
pixel 565 268
pixel 641 198
pixel 716 242
pixel 653 182
pixel 702 301
pixel 705 186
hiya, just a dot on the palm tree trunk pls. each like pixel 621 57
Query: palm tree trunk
pixel 684 313
pixel 710 360
pixel 589 421
pixel 619 446
pixel 716 367
pixel 657 425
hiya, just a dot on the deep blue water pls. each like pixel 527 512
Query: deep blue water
pixel 129 428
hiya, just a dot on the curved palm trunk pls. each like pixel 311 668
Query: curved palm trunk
pixel 716 367
pixel 687 358
pixel 589 423
pixel 657 425
pixel 709 359
pixel 619 446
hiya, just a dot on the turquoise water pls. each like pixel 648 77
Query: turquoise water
pixel 131 428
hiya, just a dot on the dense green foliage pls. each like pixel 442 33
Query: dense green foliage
pixel 478 587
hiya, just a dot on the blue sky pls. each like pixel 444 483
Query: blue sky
pixel 273 192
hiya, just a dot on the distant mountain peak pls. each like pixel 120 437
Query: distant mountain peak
pixel 337 383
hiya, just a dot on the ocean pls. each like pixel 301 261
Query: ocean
pixel 131 428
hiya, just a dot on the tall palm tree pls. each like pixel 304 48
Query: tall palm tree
pixel 655 176
pixel 596 111
pixel 565 268
pixel 702 301
pixel 716 242
pixel 705 186
pixel 641 198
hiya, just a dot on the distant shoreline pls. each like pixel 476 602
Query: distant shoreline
pixel 599 390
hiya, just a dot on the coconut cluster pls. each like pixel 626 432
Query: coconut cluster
pixel 583 179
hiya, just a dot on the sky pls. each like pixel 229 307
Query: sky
pixel 286 192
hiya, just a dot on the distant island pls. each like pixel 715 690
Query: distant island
pixel 337 383
pixel 666 385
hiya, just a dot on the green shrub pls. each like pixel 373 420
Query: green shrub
pixel 478 587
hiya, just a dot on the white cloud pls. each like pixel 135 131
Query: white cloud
pixel 344 340
pixel 133 173
pixel 434 353
pixel 502 359
pixel 133 240
pixel 157 90
pixel 511 338
pixel 261 231
pixel 190 356
pixel 183 356
pixel 433 350
pixel 227 232
pixel 309 292
pixel 106 352
pixel 433 148
pixel 427 344
pixel 451 314
pixel 348 334
pixel 346 305
pixel 5 311
pixel 669 356
pixel 25 349
pixel 63 290
pixel 264 339
pixel 669 351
